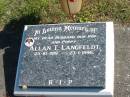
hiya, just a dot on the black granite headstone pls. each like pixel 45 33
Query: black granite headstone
pixel 63 55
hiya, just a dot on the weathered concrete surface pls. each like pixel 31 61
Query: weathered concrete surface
pixel 122 61
pixel 9 50
pixel 2 78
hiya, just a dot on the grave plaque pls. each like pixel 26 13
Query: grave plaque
pixel 63 56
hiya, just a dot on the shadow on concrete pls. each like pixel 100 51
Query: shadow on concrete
pixel 10 40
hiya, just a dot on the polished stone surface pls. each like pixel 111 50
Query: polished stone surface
pixel 65 55
pixel 8 46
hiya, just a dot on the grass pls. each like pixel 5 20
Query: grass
pixel 106 10
pixel 49 11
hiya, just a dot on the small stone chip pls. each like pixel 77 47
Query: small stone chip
pixel 24 87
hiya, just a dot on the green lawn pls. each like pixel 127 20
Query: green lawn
pixel 49 11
